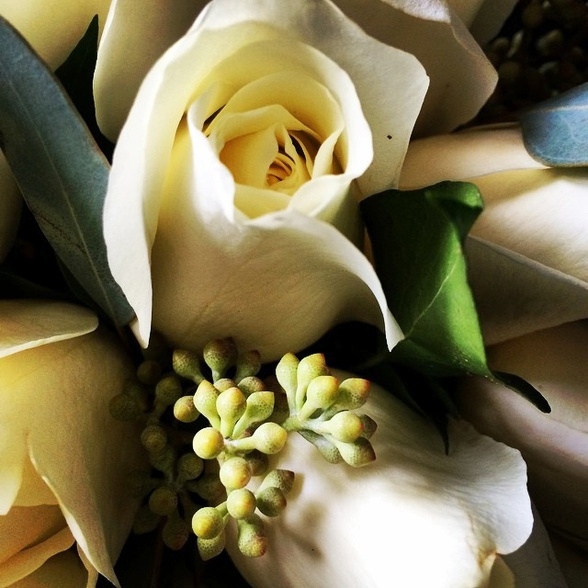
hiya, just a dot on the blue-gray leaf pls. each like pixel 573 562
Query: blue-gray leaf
pixel 555 132
pixel 62 174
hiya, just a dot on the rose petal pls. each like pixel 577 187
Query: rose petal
pixel 141 32
pixel 54 406
pixel 63 570
pixel 555 445
pixel 462 78
pixel 53 27
pixel 375 526
pixel 27 324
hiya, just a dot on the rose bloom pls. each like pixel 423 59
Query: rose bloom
pixel 64 461
pixel 529 269
pixel 415 517
pixel 232 202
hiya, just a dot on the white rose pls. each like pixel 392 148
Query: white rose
pixel 64 461
pixel 415 517
pixel 232 191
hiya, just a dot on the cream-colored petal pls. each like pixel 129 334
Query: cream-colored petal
pixel 265 285
pixel 141 32
pixel 29 537
pixel 554 445
pixel 415 517
pixel 27 323
pixel 63 570
pixel 53 27
pixel 462 78
pixel 10 207
pixel 483 17
pixel 54 406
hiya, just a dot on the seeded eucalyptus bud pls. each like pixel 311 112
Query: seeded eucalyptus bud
pixel 163 460
pixel 205 401
pixel 358 453
pixel 208 487
pixel 224 384
pixel 259 406
pixel 287 375
pixel 187 365
pixel 241 503
pixel 326 448
pixel 321 393
pixel 184 409
pixel 207 522
pixel 208 443
pixel 309 368
pixel 252 541
pixel 175 532
pixel 154 438
pixel 145 521
pixel 345 426
pixel 168 390
pixel 353 393
pixel 258 462
pixel 248 365
pixel 189 466
pixel 230 406
pixel 235 473
pixel 271 501
pixel 149 371
pixel 251 384
pixel 209 548
pixel 282 479
pixel 220 355
pixel 369 426
pixel 124 408
pixel 268 438
pixel 163 500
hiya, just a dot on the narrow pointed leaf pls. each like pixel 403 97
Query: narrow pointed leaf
pixel 59 169
pixel 555 132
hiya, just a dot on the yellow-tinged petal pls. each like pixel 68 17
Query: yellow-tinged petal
pixel 53 27
pixel 528 250
pixel 554 445
pixel 63 570
pixel 55 425
pixel 212 266
pixel 141 32
pixel 26 323
pixel 376 526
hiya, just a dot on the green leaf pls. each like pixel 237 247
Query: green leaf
pixel 555 132
pixel 417 239
pixel 62 174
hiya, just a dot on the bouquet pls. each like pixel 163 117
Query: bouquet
pixel 275 311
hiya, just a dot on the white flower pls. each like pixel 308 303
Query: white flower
pixel 63 459
pixel 232 187
pixel 415 517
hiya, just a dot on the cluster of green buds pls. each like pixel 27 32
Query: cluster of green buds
pixel 210 425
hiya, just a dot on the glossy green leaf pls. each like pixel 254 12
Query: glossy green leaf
pixel 417 239
pixel 555 132
pixel 62 174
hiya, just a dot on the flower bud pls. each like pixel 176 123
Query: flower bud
pixel 258 462
pixel 175 532
pixel 220 355
pixel 353 393
pixel 271 501
pixel 208 487
pixel 345 426
pixel 145 521
pixel 184 409
pixel 189 466
pixel 235 473
pixel 321 392
pixel 154 438
pixel 282 479
pixel 209 548
pixel 358 453
pixel 248 365
pixel 224 384
pixel 168 390
pixel 163 501
pixel 164 459
pixel 251 542
pixel 287 375
pixel 259 406
pixel 369 426
pixel 268 438
pixel 241 503
pixel 251 384
pixel 124 408
pixel 208 443
pixel 187 365
pixel 309 368
pixel 230 406
pixel 205 401
pixel 148 372
pixel 326 448
pixel 207 522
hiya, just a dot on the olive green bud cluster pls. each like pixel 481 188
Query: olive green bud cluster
pixel 210 424
pixel 241 504
pixel 322 409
